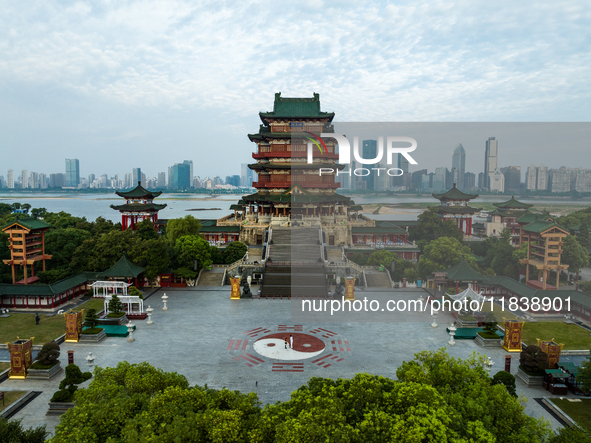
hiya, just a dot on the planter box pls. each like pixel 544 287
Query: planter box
pixel 113 321
pixel 93 338
pixel 529 380
pixel 58 408
pixel 467 323
pixel 488 342
pixel 44 374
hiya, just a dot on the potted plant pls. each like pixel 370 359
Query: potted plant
pixel 47 364
pixel 63 399
pixel 115 307
pixel 489 338
pixel 532 363
pixel 92 331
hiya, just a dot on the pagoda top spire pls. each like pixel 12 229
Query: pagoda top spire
pixel 296 108
pixel 454 194
pixel 139 192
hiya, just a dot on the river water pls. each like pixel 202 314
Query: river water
pixel 93 205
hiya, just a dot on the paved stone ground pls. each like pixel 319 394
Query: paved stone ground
pixel 210 340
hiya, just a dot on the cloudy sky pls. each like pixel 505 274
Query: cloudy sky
pixel 123 84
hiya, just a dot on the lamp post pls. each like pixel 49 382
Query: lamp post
pixel 130 330
pixel 149 312
pixel 164 299
pixel 90 360
pixel 434 324
pixel 452 332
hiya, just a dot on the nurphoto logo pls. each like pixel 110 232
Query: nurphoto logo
pixel 345 153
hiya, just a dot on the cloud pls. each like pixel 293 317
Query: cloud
pixel 413 61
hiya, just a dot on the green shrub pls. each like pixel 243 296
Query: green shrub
pixel 115 304
pixel 48 355
pixel 91 321
pixel 68 386
pixel 488 335
pixel 92 331
pixel 115 314
pixel 12 431
pixel 507 379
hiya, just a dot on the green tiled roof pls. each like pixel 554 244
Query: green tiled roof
pixel 45 290
pixel 297 108
pixel 356 208
pixel 291 197
pixel 457 209
pixel 29 223
pixel 139 192
pixel 208 222
pixel 236 207
pixel 539 226
pixel 123 268
pixel 512 204
pixel 138 207
pixel 454 194
pixel 462 271
pixel 530 217
pixel 518 288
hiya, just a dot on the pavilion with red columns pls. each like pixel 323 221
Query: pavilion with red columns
pixel 454 206
pixel 138 207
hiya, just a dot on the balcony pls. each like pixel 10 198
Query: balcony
pixel 291 154
pixel 289 184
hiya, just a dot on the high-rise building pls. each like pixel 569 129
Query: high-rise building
pixel 583 180
pixel 57 180
pixel 181 176
pixel 416 180
pixel 440 179
pixel 531 178
pixel 34 180
pixel 469 181
pixel 458 162
pixel 512 178
pixel 246 176
pixel 190 163
pixel 91 178
pixel 497 181
pixel 42 181
pixel 403 163
pixel 542 178
pixel 72 172
pixel 481 180
pixel 10 179
pixel 562 180
pixel 143 180
pixel 491 159
pixel 170 183
pixel 161 179
pixel 136 176
pixel 24 179
pixel 369 151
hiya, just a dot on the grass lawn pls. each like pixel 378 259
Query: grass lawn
pixel 579 411
pixel 11 397
pixel 4 365
pixel 49 328
pixel 499 313
pixel 573 336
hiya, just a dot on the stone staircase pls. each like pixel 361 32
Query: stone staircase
pixel 377 279
pixel 296 268
pixel 214 277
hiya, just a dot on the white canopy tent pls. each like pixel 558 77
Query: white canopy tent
pixel 128 300
pixel 109 287
pixel 473 295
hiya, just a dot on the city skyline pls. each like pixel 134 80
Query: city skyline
pixel 145 88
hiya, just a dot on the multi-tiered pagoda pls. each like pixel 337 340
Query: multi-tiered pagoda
pixel 289 189
pixel 139 206
pixel 454 206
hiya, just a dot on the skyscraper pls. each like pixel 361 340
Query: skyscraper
pixel 531 178
pixel 190 163
pixel 72 172
pixel 181 176
pixel 491 160
pixel 161 179
pixel 10 179
pixel 136 176
pixel 370 149
pixel 24 179
pixel 246 176
pixel 512 178
pixel 458 162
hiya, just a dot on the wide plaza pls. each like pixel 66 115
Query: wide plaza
pixel 210 339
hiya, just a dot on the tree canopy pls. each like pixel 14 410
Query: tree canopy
pixel 430 227
pixel 436 398
pixel 179 227
pixel 441 254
